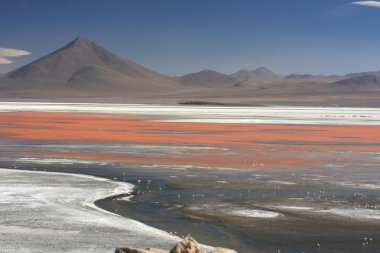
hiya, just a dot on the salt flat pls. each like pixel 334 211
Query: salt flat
pixel 54 212
pixel 210 114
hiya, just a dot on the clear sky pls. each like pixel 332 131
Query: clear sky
pixel 182 36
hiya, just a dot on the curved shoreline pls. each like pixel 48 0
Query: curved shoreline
pixel 90 202
pixel 45 204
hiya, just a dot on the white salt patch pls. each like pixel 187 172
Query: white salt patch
pixel 360 185
pixel 195 208
pixel 127 198
pixel 369 186
pixel 255 213
pixel 54 161
pixel 222 182
pixel 293 207
pixel 281 182
pixel 359 213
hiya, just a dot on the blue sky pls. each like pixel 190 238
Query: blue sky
pixel 178 36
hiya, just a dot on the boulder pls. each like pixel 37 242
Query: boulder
pixel 222 250
pixel 188 245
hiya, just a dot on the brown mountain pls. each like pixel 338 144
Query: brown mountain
pixel 82 68
pixel 210 79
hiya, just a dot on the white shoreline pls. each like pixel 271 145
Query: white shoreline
pixel 213 114
pixel 54 211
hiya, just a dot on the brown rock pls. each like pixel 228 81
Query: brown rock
pixel 188 245
pixel 222 250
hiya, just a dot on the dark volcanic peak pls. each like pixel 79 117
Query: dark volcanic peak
pixel 211 79
pixel 359 81
pixel 257 74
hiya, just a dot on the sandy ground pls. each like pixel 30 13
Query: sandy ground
pixel 54 212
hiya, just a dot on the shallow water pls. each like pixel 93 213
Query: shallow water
pixel 178 201
pixel 255 188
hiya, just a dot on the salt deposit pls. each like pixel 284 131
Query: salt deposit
pixel 55 212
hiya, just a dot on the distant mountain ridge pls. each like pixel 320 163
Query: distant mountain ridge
pixel 299 76
pixel 366 80
pixel 256 74
pixel 211 79
pixel 376 73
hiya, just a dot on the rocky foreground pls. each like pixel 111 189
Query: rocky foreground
pixel 186 245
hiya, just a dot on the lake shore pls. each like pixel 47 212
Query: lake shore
pixel 45 212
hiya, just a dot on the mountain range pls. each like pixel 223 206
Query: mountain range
pixel 83 69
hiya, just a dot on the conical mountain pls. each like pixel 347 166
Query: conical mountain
pixel 82 66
